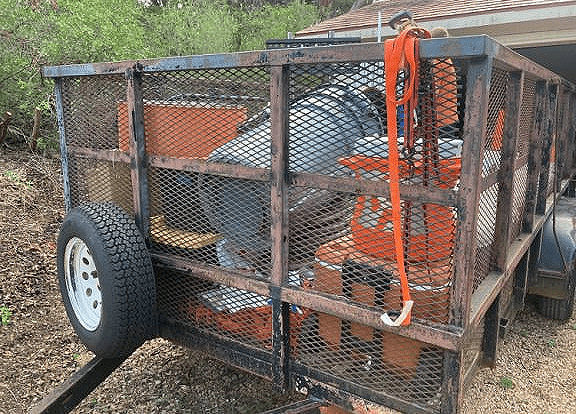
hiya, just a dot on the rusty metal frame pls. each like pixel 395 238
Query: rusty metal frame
pixel 468 307
pixel 138 156
pixel 71 392
pixel 63 145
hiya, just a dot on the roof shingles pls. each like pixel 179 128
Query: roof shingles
pixel 424 10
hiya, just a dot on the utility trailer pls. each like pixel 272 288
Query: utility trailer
pixel 240 204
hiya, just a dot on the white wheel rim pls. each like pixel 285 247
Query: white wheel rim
pixel 82 284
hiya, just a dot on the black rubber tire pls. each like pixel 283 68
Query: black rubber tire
pixel 559 309
pixel 125 274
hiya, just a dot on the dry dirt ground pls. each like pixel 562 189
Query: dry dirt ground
pixel 38 349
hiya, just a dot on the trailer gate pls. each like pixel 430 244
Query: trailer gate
pixel 259 181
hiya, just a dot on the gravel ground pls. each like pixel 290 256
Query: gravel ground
pixel 38 349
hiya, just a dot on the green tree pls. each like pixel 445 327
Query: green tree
pixel 191 27
pixel 90 31
pixel 43 32
pixel 72 32
pixel 274 22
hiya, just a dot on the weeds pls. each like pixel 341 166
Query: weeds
pixel 506 382
pixel 13 176
pixel 5 315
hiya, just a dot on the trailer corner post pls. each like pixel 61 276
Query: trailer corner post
pixel 64 158
pixel 279 116
pixel 138 157
pixel 561 151
pixel 478 76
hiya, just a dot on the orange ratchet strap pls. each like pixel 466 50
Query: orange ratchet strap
pixel 400 54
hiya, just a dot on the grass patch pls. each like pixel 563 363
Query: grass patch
pixel 5 315
pixel 506 382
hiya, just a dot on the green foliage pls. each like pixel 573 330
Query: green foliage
pixel 74 32
pixel 20 58
pixel 274 22
pixel 5 315
pixel 191 27
pixel 506 382
pixel 15 177
pixel 108 30
pixel 95 31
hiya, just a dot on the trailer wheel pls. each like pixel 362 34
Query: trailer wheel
pixel 559 309
pixel 106 280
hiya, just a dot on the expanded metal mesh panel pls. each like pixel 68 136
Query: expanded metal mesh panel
pixel 379 360
pixel 211 219
pixel 90 115
pixel 338 119
pixel 485 233
pixel 91 123
pixel 527 111
pixel 348 237
pixel 199 114
pixel 361 267
pixel 520 182
pixel 519 186
pixel 209 115
pixel 100 181
pixel 223 117
pixel 330 111
pixel 316 217
pixel 225 312
pixel 495 122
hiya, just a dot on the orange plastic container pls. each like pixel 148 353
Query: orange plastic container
pixel 183 130
pixel 431 235
pixel 255 323
pixel 429 288
pixel 330 258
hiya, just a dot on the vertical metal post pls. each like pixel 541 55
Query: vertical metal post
pixel 548 139
pixel 138 158
pixel 512 112
pixel 559 145
pixel 534 155
pixel 491 333
pixel 564 136
pixel 64 160
pixel 279 116
pixel 521 275
pixel 474 130
pixel 572 131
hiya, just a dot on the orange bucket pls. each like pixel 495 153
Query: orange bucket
pixel 431 235
pixel 429 288
pixel 330 258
